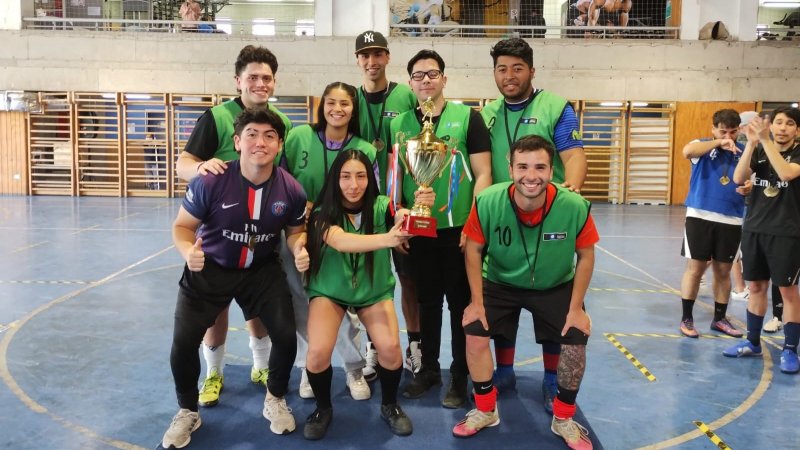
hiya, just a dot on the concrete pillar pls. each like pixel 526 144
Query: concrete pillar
pixel 351 17
pixel 11 13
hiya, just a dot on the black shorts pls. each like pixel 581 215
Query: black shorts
pixel 768 257
pixel 213 288
pixel 705 240
pixel 549 308
pixel 401 263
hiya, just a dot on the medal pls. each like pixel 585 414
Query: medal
pixel 379 145
pixel 724 180
pixel 771 191
pixel 251 243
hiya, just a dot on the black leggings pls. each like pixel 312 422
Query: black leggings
pixel 261 292
pixel 439 271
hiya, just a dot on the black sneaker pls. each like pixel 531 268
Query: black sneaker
pixel 456 396
pixel 317 424
pixel 422 381
pixel 398 420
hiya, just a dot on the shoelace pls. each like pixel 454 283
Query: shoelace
pixel 277 406
pixel 210 386
pixel 582 431
pixel 416 359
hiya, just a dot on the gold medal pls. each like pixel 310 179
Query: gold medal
pixel 771 191
pixel 379 145
pixel 251 243
pixel 724 180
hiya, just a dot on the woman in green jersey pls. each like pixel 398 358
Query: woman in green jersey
pixel 308 153
pixel 351 230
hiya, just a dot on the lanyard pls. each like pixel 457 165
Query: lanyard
pixel 511 139
pixel 376 130
pixel 326 149
pixel 354 257
pixel 540 226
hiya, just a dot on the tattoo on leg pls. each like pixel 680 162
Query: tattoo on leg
pixel 571 366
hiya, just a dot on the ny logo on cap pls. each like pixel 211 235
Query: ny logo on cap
pixel 369 37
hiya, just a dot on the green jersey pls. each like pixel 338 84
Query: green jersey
pixel 506 127
pixel 452 128
pixel 530 257
pixel 308 159
pixel 375 120
pixel 343 277
pixel 224 116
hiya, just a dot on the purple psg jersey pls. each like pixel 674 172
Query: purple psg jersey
pixel 241 222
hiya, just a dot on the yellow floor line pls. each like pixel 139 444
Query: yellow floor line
pixel 711 435
pixel 9 380
pixel 629 356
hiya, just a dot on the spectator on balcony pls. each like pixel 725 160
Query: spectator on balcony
pixel 190 12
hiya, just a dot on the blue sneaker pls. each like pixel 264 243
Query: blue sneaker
pixel 504 379
pixel 549 392
pixel 744 348
pixel 789 362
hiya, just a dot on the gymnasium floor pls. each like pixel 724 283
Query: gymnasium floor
pixel 87 291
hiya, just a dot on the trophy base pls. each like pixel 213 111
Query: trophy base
pixel 420 226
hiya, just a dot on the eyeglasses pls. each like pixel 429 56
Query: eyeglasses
pixel 433 74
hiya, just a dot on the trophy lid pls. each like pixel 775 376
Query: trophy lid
pixel 427 138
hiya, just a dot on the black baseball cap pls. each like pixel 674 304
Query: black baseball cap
pixel 369 40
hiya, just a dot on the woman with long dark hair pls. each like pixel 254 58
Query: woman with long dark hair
pixel 308 153
pixel 350 232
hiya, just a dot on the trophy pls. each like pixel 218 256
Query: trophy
pixel 426 155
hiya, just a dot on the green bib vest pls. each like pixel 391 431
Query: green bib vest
pixel 539 117
pixel 547 258
pixel 335 277
pixel 452 128
pixel 224 116
pixel 399 100
pixel 306 157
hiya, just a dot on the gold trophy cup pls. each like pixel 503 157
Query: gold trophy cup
pixel 425 157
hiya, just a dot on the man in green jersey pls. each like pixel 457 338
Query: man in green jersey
pixel 437 263
pixel 379 102
pixel 522 110
pixel 530 244
pixel 208 149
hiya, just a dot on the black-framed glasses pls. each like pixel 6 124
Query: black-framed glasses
pixel 433 74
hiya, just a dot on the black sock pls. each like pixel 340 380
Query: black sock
pixel 482 387
pixel 719 311
pixel 777 303
pixel 390 382
pixel 566 395
pixel 321 385
pixel 754 324
pixel 413 336
pixel 688 305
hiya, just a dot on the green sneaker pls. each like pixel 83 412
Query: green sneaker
pixel 209 392
pixel 259 376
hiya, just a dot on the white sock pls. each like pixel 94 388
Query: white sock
pixel 261 348
pixel 213 357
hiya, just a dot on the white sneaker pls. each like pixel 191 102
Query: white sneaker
pixel 372 362
pixel 414 357
pixel 359 389
pixel 179 433
pixel 278 414
pixel 305 386
pixel 773 325
pixel 741 296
